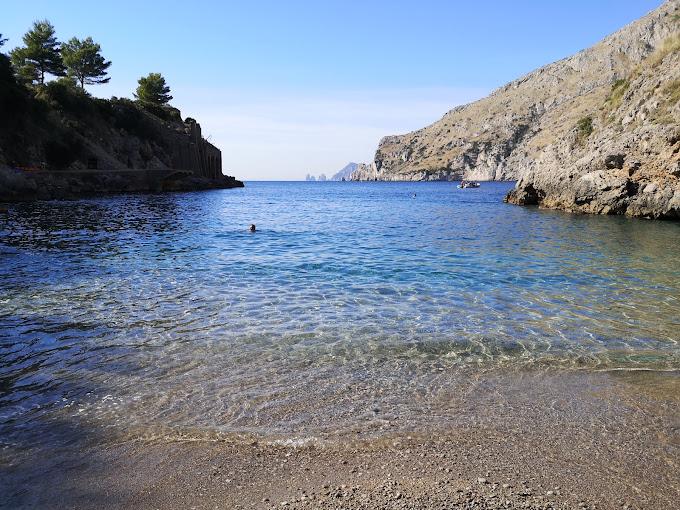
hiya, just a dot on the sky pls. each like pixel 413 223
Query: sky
pixel 286 88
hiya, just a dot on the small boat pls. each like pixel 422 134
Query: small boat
pixel 468 184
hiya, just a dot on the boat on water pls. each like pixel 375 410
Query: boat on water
pixel 468 184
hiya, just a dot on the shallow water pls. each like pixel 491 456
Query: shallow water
pixel 354 306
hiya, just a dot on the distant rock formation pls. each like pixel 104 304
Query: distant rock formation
pixel 595 132
pixel 341 175
pixel 345 173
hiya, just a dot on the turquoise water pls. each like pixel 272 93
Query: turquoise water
pixel 163 311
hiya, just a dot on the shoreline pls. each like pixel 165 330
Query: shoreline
pixel 21 186
pixel 495 470
pixel 596 448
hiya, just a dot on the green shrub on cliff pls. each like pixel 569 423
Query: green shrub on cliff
pixel 128 115
pixel 65 95
pixel 616 95
pixel 584 128
pixel 672 91
pixel 671 96
pixel 165 112
pixel 668 46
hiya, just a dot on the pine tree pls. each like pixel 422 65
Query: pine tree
pixel 84 62
pixel 6 73
pixel 40 55
pixel 153 90
pixel 26 70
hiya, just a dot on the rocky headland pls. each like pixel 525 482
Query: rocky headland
pixel 57 141
pixel 345 173
pixel 623 157
pixel 596 132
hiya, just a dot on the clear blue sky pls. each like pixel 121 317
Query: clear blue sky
pixel 289 87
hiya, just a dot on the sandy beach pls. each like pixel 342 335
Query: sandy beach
pixel 614 445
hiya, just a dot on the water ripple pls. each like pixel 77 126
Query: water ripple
pixel 163 310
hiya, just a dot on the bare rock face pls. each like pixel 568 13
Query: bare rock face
pixel 587 133
pixel 614 161
pixel 629 162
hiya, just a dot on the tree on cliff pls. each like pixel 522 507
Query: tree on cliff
pixel 84 62
pixel 40 55
pixel 153 90
pixel 25 70
pixel 6 74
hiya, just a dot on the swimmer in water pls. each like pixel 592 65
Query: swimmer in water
pixel 252 227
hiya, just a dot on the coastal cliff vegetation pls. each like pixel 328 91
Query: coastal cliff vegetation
pixel 51 123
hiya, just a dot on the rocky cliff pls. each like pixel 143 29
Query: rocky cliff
pixel 623 157
pixel 56 141
pixel 345 173
pixel 535 125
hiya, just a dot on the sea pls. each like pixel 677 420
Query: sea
pixel 354 310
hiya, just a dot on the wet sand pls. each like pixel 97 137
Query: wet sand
pixel 621 449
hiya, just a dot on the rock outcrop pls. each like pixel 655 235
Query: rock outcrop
pixel 588 133
pixel 58 142
pixel 345 172
pixel 628 159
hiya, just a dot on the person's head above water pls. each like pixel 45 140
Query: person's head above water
pixel 252 227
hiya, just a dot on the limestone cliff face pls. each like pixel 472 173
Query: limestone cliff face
pixel 503 135
pixel 627 161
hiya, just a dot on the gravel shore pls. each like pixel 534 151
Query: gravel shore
pixel 481 469
pixel 546 457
